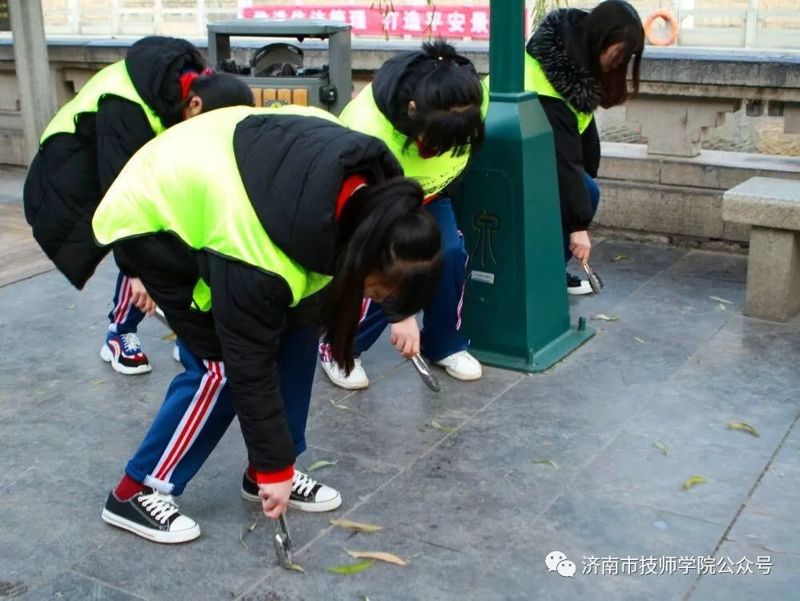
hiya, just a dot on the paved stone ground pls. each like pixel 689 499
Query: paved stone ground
pixel 475 510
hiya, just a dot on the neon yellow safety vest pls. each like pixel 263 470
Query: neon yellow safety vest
pixel 536 81
pixel 433 174
pixel 113 80
pixel 163 188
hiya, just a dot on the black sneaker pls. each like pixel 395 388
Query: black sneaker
pixel 577 286
pixel 307 494
pixel 249 489
pixel 151 515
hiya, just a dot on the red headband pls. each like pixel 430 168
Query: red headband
pixel 187 79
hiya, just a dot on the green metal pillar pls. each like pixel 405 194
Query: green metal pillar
pixel 516 311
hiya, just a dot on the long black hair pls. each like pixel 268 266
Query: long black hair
pixel 383 231
pixel 447 94
pixel 218 90
pixel 610 22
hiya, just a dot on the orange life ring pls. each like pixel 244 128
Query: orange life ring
pixel 669 20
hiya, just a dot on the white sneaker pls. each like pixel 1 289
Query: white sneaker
pixel 307 494
pixel 176 353
pixel 462 366
pixel 312 496
pixel 355 381
pixel 577 286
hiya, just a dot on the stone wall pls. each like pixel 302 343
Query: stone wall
pixel 679 199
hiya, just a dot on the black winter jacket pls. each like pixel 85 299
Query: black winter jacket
pixel 71 172
pixel 558 46
pixel 292 169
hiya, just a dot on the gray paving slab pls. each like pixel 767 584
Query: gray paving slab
pixel 72 585
pixel 766 533
pixel 710 265
pixel 412 417
pixel 599 535
pixel 624 267
pixel 768 522
pixel 634 470
pixel 749 356
pixel 660 325
pixel 780 583
pixel 38 542
pixel 433 572
pixel 689 415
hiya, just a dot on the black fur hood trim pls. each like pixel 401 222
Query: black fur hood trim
pixel 560 47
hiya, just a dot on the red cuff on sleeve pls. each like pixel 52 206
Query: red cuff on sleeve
pixel 350 185
pixel 286 473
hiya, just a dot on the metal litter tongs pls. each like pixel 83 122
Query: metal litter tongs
pixel 425 373
pixel 594 280
pixel 283 543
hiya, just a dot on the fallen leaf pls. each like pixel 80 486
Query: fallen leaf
pixel 357 526
pixel 604 317
pixel 379 555
pixel 296 567
pixel 721 307
pixel 245 531
pixel 621 258
pixel 170 336
pixel 437 426
pixel 721 300
pixel 339 405
pixel 352 568
pixel 693 481
pixel 545 462
pixel 639 340
pixel 744 427
pixel 320 464
pixel 662 447
pixel 98 381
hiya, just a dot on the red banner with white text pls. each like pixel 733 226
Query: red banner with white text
pixel 409 21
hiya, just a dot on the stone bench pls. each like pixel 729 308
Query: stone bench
pixel 771 207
